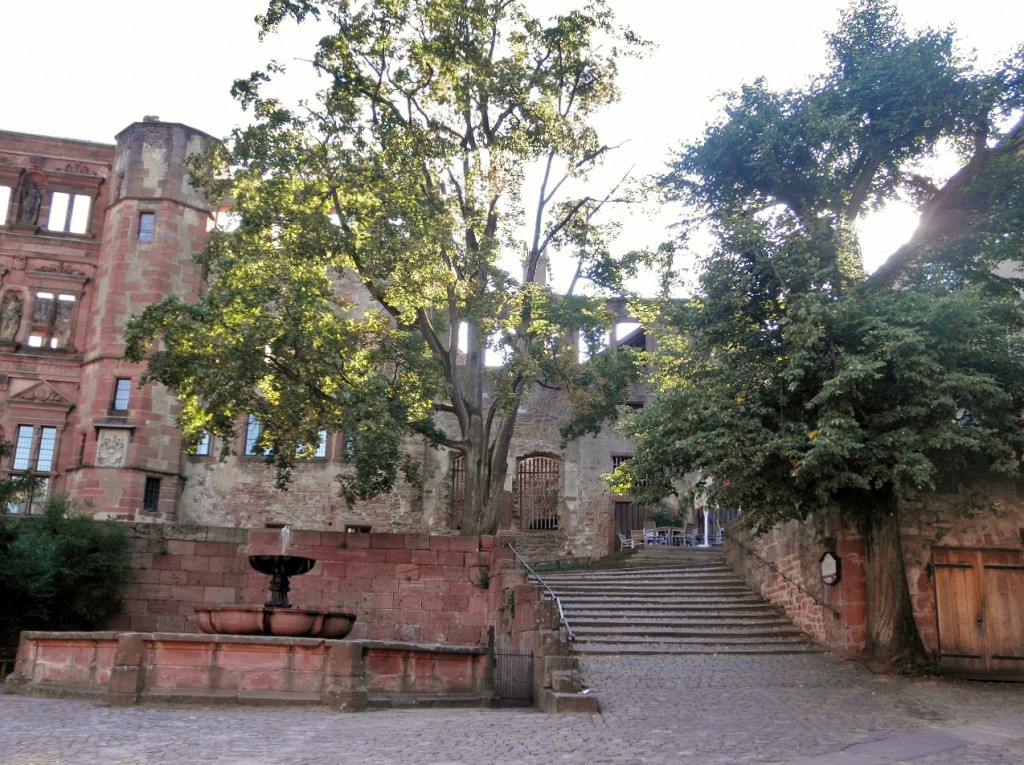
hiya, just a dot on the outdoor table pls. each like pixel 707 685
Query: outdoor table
pixel 673 535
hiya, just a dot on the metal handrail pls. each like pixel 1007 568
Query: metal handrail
pixel 768 564
pixel 558 601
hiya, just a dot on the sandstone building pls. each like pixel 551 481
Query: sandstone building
pixel 89 235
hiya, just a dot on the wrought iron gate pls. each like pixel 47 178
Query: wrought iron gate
pixel 538 485
pixel 513 677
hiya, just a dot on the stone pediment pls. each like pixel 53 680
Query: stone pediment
pixel 42 393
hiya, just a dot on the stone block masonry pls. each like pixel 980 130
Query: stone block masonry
pixel 408 587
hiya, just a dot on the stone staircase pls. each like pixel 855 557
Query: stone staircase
pixel 664 600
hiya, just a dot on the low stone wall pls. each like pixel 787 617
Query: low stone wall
pixel 132 667
pixel 428 612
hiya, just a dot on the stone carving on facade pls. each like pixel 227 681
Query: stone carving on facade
pixel 111 448
pixel 43 393
pixel 30 200
pixel 10 316
pixel 78 167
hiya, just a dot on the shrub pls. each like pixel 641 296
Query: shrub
pixel 59 571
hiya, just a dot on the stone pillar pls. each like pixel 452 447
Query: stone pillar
pixel 345 682
pixel 127 676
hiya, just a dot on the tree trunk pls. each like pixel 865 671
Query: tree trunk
pixel 484 486
pixel 892 631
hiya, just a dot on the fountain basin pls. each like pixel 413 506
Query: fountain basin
pixel 268 620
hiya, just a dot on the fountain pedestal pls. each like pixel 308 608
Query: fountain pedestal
pixel 279 568
pixel 277 616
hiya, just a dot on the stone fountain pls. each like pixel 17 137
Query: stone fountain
pixel 277 616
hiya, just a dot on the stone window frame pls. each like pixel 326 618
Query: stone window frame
pixel 75 184
pixel 31 443
pixel 70 285
pixel 74 220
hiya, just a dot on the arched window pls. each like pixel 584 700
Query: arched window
pixel 538 486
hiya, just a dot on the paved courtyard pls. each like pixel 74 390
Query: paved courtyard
pixel 811 710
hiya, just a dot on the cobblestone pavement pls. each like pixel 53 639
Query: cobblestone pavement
pixel 804 710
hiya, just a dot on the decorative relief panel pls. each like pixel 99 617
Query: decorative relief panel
pixel 111 448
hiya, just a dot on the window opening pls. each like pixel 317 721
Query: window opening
pixel 203 446
pixel 253 431
pixel 33 500
pixel 5 203
pixel 458 505
pixel 69 212
pixel 538 493
pixel 122 394
pixel 147 225
pixel 47 445
pixel 23 448
pixel 320 452
pixel 52 316
pixel 151 495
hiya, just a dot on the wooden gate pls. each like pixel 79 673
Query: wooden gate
pixel 979 598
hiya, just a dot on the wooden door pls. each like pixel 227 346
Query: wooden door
pixel 979 597
pixel 627 517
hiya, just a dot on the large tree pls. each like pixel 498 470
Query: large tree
pixel 389 214
pixel 794 382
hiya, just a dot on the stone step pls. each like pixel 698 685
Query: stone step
pixel 671 601
pixel 654 573
pixel 655 598
pixel 660 648
pixel 707 633
pixel 649 585
pixel 679 602
pixel 615 621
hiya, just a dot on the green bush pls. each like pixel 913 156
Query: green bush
pixel 59 571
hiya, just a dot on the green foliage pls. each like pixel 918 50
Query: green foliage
pixel 917 666
pixel 59 571
pixel 384 214
pixel 793 381
pixel 14 488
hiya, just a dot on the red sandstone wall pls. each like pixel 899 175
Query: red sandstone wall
pixel 400 586
pixel 788 556
pixel 784 566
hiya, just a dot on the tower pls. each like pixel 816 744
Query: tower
pixel 130 464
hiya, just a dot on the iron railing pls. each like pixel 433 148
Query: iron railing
pixel 757 557
pixel 561 613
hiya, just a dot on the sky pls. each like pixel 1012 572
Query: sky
pixel 86 70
